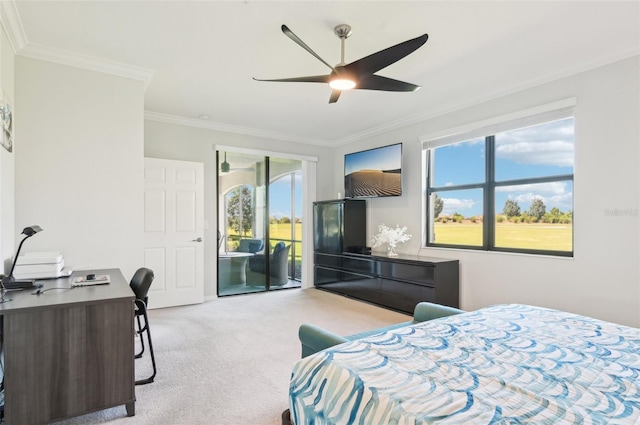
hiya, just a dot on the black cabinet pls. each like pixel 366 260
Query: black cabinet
pixel 339 225
pixel 398 283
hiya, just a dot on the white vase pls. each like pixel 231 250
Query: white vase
pixel 391 251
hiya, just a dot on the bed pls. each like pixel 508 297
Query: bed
pixel 504 364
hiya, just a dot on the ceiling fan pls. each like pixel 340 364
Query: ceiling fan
pixel 361 73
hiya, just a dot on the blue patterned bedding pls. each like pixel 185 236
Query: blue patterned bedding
pixel 507 364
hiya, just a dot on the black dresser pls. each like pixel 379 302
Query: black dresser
pixel 398 283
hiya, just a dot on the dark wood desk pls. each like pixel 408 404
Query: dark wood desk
pixel 68 352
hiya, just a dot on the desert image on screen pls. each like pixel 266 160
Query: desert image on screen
pixel 376 172
pixel 373 183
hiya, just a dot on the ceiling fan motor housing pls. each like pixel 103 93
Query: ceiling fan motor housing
pixel 342 31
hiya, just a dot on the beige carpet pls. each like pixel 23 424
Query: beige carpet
pixel 228 361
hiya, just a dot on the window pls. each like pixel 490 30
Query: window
pixel 509 190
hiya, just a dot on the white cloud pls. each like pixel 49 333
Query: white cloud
pixel 451 205
pixel 279 213
pixel 548 144
pixel 553 194
pixel 554 152
pixel 542 189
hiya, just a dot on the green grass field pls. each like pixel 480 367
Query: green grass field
pixel 277 232
pixel 555 237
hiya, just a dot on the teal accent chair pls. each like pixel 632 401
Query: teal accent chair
pixel 278 266
pixel 314 338
pixel 251 245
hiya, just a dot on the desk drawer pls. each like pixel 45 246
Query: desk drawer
pixel 65 362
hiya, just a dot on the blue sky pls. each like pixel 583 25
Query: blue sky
pixel 538 151
pixel 385 158
pixel 280 197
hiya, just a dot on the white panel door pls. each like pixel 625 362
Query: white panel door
pixel 173 230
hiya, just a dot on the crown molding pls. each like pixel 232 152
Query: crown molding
pixel 193 122
pixel 36 51
pixel 12 25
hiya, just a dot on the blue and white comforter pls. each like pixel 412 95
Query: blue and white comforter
pixel 508 364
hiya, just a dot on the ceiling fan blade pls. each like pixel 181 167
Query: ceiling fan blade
pixel 310 79
pixel 379 60
pixel 335 94
pixel 378 82
pixel 285 29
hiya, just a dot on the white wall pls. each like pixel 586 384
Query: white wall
pixel 79 164
pixel 7 163
pixel 171 141
pixel 603 279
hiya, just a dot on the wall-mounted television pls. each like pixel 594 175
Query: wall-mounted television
pixel 373 173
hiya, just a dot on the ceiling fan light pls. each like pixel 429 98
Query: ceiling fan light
pixel 342 84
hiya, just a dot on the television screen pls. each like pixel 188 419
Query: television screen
pixel 373 173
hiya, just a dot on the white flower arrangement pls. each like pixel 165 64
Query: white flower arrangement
pixel 392 237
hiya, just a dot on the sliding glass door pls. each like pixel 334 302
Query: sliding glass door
pixel 285 220
pixel 259 221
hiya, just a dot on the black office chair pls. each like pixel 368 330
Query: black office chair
pixel 140 283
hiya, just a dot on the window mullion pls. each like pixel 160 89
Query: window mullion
pixel 459 187
pixel 535 180
pixel 489 240
pixel 428 237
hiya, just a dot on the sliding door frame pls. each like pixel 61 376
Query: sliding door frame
pixel 309 168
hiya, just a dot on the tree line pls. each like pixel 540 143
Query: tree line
pixel 537 213
pixel 511 212
pixel 283 220
pixel 240 212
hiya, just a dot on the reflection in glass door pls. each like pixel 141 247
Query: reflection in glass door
pixel 259 223
pixel 285 223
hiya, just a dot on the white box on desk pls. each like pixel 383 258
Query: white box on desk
pixel 40 265
pixel 43 257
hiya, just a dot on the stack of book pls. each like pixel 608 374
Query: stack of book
pixel 40 265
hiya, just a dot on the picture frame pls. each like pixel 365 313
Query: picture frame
pixel 6 119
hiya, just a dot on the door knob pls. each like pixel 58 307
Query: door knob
pixel 196 240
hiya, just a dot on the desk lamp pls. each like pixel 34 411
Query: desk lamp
pixel 9 282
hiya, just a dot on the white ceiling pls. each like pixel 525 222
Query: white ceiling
pixel 203 55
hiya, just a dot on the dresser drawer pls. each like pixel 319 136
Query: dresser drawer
pixel 359 265
pixel 328 260
pixel 403 296
pixel 419 273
